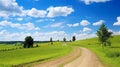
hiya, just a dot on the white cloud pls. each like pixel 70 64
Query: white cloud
pixel 44 20
pixel 59 11
pixel 84 23
pixel 110 30
pixel 87 2
pixel 98 23
pixel 26 26
pixel 118 22
pixel 116 33
pixel 76 24
pixel 80 36
pixel 69 25
pixel 37 13
pixel 87 29
pixel 58 24
pixel 29 26
pixel 73 25
pixel 38 36
pixel 9 7
pixel 19 19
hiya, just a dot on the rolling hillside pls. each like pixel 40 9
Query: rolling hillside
pixel 109 55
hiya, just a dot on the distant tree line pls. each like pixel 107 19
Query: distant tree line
pixel 29 41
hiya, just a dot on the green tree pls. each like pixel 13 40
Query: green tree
pixel 104 35
pixel 64 39
pixel 51 40
pixel 28 42
pixel 73 38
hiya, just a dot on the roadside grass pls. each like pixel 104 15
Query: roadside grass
pixel 109 55
pixel 27 55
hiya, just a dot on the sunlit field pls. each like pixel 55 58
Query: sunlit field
pixel 43 52
pixel 109 55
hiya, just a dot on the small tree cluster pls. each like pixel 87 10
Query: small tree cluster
pixel 28 42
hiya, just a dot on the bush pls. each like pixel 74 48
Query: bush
pixel 37 45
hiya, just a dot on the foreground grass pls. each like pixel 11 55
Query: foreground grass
pixel 43 52
pixel 109 56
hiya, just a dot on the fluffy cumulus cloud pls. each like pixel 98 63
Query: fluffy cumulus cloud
pixel 59 11
pixel 37 13
pixel 38 36
pixel 84 23
pixel 98 23
pixel 25 26
pixel 9 7
pixel 118 22
pixel 86 29
pixel 73 25
pixel 87 2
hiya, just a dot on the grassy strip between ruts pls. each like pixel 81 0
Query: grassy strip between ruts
pixel 109 56
pixel 43 52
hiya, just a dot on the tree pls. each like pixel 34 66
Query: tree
pixel 28 42
pixel 64 39
pixel 51 40
pixel 104 35
pixel 73 38
pixel 57 40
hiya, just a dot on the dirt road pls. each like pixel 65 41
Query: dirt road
pixel 63 60
pixel 87 59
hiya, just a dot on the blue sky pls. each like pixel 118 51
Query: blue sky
pixel 43 19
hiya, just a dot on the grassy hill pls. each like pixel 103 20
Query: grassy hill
pixel 109 56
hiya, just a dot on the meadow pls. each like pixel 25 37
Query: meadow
pixel 109 55
pixel 44 52
pixel 8 46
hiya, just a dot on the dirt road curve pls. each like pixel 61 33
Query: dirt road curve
pixel 87 59
pixel 63 60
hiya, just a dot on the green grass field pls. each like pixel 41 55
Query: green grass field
pixel 8 46
pixel 109 56
pixel 26 55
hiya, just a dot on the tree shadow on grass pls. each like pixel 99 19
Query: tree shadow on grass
pixel 115 47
